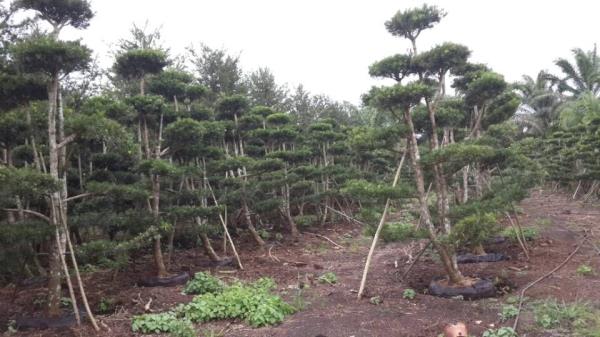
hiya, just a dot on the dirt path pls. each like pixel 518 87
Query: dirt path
pixel 334 311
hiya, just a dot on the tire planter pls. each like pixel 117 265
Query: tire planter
pixel 496 240
pixel 224 262
pixel 155 281
pixel 472 258
pixel 41 323
pixel 482 288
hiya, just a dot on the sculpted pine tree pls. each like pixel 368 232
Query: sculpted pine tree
pixel 419 101
pixel 54 59
pixel 137 64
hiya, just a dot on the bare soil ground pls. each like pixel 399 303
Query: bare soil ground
pixel 333 310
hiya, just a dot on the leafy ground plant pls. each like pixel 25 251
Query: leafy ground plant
pixel 585 270
pixel 203 283
pixel 328 277
pixel 252 302
pixel 578 319
pixel 501 332
pixel 409 294
pixel 508 312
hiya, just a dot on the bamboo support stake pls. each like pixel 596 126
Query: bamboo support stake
pixel 235 253
pixel 76 269
pixel 378 231
pixel 68 279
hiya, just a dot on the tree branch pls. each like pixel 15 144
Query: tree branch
pixel 28 211
pixel 79 196
pixel 66 141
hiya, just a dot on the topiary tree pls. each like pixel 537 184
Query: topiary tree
pixel 54 59
pixel 435 121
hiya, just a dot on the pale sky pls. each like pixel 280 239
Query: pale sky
pixel 327 45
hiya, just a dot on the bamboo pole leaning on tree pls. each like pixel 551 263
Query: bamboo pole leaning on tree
pixel 84 299
pixel 378 231
pixel 224 223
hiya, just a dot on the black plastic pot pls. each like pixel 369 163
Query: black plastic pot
pixel 483 288
pixel 155 281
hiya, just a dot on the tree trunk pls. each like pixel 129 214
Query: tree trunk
pixel 55 266
pixel 465 183
pixel 251 227
pixel 479 250
pixel 447 257
pixel 208 248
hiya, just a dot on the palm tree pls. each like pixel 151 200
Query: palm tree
pixel 584 109
pixel 581 76
pixel 538 110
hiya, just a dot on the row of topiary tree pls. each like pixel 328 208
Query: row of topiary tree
pixel 157 156
pixel 165 155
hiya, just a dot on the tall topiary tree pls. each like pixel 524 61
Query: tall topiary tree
pixel 55 59
pixel 439 122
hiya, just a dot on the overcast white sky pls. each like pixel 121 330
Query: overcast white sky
pixel 327 45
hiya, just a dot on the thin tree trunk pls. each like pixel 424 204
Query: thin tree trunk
pixel 251 227
pixel 54 284
pixel 223 221
pixel 208 248
pixel 170 244
pixel 465 182
pixel 447 257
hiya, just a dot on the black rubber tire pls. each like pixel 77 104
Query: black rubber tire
pixel 496 240
pixel 41 323
pixel 155 281
pixel 483 288
pixel 472 258
pixel 224 262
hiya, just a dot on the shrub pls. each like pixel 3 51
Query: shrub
pixel 528 232
pixel 473 230
pixel 101 253
pixel 398 231
pixel 203 283
pixel 306 221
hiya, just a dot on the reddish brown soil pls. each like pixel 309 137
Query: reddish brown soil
pixel 333 310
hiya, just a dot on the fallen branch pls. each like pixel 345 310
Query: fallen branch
pixel 415 260
pixel 543 277
pixel 147 306
pixel 520 239
pixel 273 257
pixel 326 238
pixel 347 216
